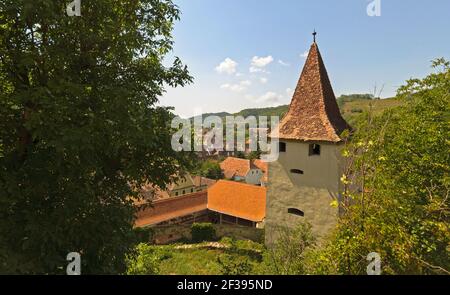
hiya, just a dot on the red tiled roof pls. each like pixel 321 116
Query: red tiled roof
pixel 235 166
pixel 313 113
pixel 166 209
pixel 238 199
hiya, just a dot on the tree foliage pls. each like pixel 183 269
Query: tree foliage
pixel 146 259
pixel 287 255
pixel 79 125
pixel 209 168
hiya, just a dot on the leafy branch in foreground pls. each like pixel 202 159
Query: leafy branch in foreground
pixel 79 125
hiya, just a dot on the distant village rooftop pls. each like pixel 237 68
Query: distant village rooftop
pixel 232 166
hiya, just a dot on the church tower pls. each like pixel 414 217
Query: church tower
pixel 306 177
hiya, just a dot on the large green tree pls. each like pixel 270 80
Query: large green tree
pixel 78 125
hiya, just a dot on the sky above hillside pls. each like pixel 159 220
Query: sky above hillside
pixel 249 53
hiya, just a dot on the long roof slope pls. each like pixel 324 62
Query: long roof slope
pixel 238 199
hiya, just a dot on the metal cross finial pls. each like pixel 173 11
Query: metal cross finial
pixel 314 35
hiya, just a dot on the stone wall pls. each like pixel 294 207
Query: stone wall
pixel 173 208
pixel 171 233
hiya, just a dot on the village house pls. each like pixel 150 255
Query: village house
pixel 185 185
pixel 264 167
pixel 237 203
pixel 184 209
pixel 225 202
pixel 305 179
pixel 182 202
pixel 243 170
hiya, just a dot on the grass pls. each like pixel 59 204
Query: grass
pixel 352 109
pixel 191 262
pixel 203 258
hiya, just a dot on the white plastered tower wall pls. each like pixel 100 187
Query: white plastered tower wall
pixel 305 179
pixel 311 192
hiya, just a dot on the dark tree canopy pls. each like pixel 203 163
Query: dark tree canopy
pixel 78 124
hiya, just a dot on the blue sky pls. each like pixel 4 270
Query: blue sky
pixel 249 53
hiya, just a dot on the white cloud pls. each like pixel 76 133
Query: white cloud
pixel 304 54
pixel 263 80
pixel 285 64
pixel 228 66
pixel 233 87
pixel 241 86
pixel 258 70
pixel 261 62
pixel 239 74
pixel 270 97
pixel 255 70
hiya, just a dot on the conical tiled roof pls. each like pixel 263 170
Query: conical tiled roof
pixel 313 114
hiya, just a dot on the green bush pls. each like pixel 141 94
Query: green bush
pixel 202 232
pixel 234 264
pixel 145 261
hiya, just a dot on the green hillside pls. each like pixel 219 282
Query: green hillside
pixel 272 111
pixel 352 109
pixel 350 105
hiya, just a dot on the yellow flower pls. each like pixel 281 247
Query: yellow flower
pixel 334 204
pixel 344 179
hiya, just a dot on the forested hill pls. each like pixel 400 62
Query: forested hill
pixel 350 106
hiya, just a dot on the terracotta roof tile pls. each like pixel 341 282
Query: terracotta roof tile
pixel 238 199
pixel 169 208
pixel 235 166
pixel 313 113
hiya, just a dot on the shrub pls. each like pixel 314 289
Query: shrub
pixel 202 232
pixel 234 264
pixel 287 255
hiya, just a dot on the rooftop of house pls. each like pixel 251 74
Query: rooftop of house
pixel 203 181
pixel 235 167
pixel 151 192
pixel 313 114
pixel 264 168
pixel 170 208
pixel 238 199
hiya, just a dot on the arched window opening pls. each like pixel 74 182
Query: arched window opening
pixel 297 171
pixel 296 211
